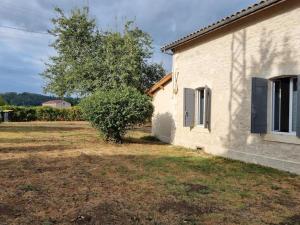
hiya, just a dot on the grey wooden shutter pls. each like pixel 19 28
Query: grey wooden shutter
pixel 188 107
pixel 259 104
pixel 207 108
pixel 298 109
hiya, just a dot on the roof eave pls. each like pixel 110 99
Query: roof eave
pixel 222 23
pixel 157 86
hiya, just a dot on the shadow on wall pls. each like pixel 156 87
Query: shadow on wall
pixel 240 84
pixel 163 127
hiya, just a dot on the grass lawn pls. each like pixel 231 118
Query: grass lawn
pixel 63 173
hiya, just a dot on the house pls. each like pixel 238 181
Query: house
pixel 162 123
pixel 235 87
pixel 60 104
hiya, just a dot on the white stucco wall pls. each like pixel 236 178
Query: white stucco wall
pixel 263 45
pixel 163 123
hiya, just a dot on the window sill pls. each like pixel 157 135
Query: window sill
pixel 282 138
pixel 200 129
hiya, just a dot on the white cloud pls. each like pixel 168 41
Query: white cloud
pixel 22 54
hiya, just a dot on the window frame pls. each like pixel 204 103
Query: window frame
pixel 198 116
pixel 291 99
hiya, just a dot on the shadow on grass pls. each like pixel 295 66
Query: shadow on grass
pixel 32 149
pixel 148 140
pixel 25 140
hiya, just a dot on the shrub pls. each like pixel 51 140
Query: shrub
pixel 53 114
pixel 47 114
pixel 74 114
pixel 21 113
pixel 41 113
pixel 115 111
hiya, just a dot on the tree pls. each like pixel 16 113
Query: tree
pixel 71 70
pixel 88 60
pixel 2 102
pixel 151 74
pixel 115 111
pixel 31 99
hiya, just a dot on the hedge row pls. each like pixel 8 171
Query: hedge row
pixel 41 113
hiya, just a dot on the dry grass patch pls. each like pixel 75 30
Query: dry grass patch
pixel 63 173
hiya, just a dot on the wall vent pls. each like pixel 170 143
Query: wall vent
pixel 199 148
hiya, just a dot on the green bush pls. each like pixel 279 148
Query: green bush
pixel 113 112
pixel 41 113
pixel 75 114
pixel 20 113
pixel 47 114
pixel 2 102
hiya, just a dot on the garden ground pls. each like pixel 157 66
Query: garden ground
pixel 63 173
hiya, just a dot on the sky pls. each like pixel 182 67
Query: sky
pixel 23 54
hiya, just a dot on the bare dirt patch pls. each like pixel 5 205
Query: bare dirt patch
pixel 7 210
pixel 197 188
pixel 293 220
pixel 111 213
pixel 187 208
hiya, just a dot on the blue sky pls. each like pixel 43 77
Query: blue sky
pixel 22 54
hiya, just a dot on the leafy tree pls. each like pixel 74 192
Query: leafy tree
pixel 151 74
pixel 71 70
pixel 88 60
pixel 115 111
pixel 124 56
pixel 2 102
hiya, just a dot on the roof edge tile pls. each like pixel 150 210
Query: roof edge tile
pixel 224 21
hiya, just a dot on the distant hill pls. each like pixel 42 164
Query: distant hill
pixel 31 99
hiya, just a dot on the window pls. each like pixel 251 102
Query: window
pixel 201 106
pixel 285 105
pixel 196 107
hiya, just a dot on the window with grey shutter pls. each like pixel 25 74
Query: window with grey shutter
pixel 188 107
pixel 207 107
pixel 259 103
pixel 298 109
pixel 285 104
pixel 201 106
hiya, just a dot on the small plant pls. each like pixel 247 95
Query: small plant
pixel 28 187
pixel 198 188
pixel 115 111
pixel 49 222
pixel 275 187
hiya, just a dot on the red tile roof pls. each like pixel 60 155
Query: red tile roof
pixel 54 102
pixel 166 79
